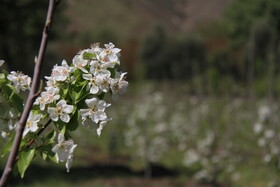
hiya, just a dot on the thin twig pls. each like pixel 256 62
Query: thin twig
pixel 31 97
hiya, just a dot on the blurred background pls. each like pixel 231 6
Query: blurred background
pixel 202 105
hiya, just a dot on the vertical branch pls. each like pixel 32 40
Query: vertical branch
pixel 31 97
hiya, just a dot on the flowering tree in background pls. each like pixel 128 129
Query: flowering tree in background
pixel 74 94
pixel 267 130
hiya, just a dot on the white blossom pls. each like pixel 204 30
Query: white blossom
pixel 261 142
pixel 80 63
pixel 118 86
pixel 64 151
pixel 269 133
pixel 109 54
pixel 3 134
pixel 61 73
pixel 95 49
pixel 32 123
pixel 19 80
pixel 47 97
pixel 51 83
pixel 100 69
pixel 94 89
pixel 95 111
pixel 258 127
pixel 61 111
pixel 267 158
pixel 101 126
pixel 191 157
pixel 264 112
pixel 1 62
pixel 103 83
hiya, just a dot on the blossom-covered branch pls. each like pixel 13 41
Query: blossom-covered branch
pixel 74 94
pixel 31 97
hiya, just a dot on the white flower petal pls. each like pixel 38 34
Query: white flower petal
pixel 91 102
pixel 65 117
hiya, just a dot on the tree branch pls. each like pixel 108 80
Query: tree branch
pixel 31 97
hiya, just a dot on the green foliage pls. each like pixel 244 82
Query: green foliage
pixel 14 99
pixel 88 56
pixel 20 33
pixel 169 57
pixel 243 15
pixel 24 160
pixel 8 146
pixel 74 122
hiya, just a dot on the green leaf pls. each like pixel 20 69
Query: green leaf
pixel 47 153
pixel 44 155
pixel 2 78
pixel 7 91
pixel 61 126
pixel 16 101
pixel 101 96
pixel 88 56
pixel 7 147
pixel 6 73
pixel 24 161
pixel 81 94
pixel 53 158
pixel 113 72
pixel 51 135
pixel 74 121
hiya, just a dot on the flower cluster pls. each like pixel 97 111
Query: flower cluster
pixel 64 151
pixel 266 128
pixel 211 160
pixel 9 118
pixel 74 93
pixel 19 81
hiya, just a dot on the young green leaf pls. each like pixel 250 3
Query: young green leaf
pixel 24 161
pixel 16 101
pixel 7 147
pixel 74 122
pixel 88 56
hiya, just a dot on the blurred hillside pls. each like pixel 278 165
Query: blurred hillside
pixel 205 41
pixel 128 22
pixel 81 23
pixel 137 16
